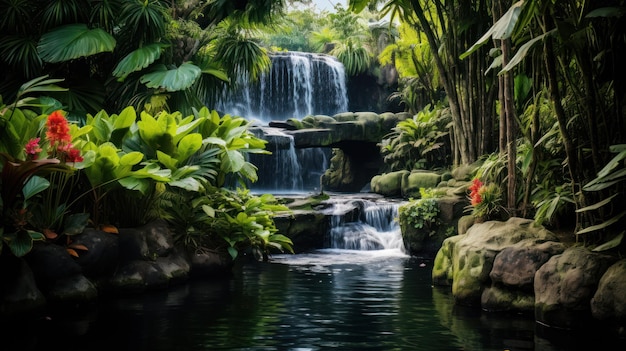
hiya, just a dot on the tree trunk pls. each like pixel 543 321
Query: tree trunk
pixel 511 130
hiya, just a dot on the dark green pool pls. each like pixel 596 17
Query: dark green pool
pixel 331 299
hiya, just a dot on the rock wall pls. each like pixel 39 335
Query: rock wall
pixel 519 266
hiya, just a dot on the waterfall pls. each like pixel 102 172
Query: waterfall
pixel 298 84
pixel 287 169
pixel 375 228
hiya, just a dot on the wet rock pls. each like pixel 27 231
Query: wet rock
pixel 467 260
pixel 608 304
pixel 565 285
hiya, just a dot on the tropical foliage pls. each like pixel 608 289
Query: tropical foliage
pixel 153 54
pixel 532 89
pixel 66 177
pixel 419 142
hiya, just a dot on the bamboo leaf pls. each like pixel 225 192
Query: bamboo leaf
pixel 521 53
pixel 596 205
pixel 607 12
pixel 502 29
pixel 615 161
pixel 610 244
pixel 601 225
pixel 603 183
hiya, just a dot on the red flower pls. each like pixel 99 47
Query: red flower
pixel 68 153
pixel 475 192
pixel 73 155
pixel 58 129
pixel 476 199
pixel 32 148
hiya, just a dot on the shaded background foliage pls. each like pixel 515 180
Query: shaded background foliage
pixel 534 89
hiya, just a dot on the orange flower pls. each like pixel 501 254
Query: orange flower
pixel 476 185
pixel 475 189
pixel 58 129
pixel 58 135
pixel 476 199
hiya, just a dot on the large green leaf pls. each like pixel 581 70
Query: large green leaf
pixel 75 223
pixel 34 185
pixel 74 41
pixel 174 79
pixel 189 145
pixel 138 60
pixel 21 242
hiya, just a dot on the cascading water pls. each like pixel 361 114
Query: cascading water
pixel 297 85
pixel 375 228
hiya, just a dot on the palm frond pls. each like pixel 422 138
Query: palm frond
pixel 60 12
pixel 106 13
pixel 20 53
pixel 145 20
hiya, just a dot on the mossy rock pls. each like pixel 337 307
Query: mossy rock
pixel 413 181
pixel 388 184
pixel 465 172
pixel 345 117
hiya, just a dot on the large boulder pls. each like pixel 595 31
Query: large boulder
pixel 18 291
pixel 426 241
pixel 608 304
pixel 388 184
pixel 306 228
pixel 354 138
pixel 513 276
pixel 465 261
pixel 326 131
pixel 565 285
pixel 58 275
pixel 149 259
pixel 415 180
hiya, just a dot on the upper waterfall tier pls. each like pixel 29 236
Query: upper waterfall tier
pixel 297 85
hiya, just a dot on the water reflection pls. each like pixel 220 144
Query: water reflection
pixel 329 299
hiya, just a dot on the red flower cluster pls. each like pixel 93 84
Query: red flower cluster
pixel 475 192
pixel 33 149
pixel 58 134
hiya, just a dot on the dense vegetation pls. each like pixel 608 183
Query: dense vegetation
pixel 532 90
